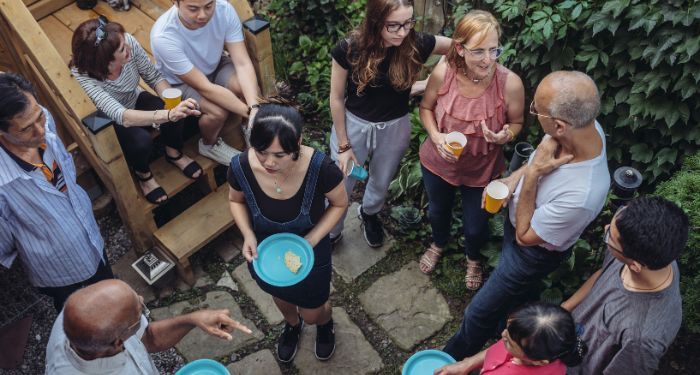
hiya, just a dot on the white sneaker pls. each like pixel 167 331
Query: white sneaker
pixel 220 152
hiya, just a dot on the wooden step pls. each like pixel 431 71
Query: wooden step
pixel 171 178
pixel 194 228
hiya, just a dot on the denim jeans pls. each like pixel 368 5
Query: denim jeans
pixel 474 219
pixel 517 273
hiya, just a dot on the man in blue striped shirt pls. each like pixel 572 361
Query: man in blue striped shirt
pixel 45 216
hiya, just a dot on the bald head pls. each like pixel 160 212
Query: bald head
pixel 570 96
pixel 95 316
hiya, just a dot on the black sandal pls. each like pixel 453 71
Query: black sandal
pixel 189 170
pixel 154 194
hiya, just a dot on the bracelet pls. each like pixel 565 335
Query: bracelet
pixel 153 122
pixel 169 120
pixel 250 107
pixel 512 135
pixel 345 147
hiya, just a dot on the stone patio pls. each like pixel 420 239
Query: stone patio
pixel 374 316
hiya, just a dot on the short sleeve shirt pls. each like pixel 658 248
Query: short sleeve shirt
pixel 329 178
pixel 627 332
pixel 177 49
pixel 568 199
pixel 61 358
pixel 379 101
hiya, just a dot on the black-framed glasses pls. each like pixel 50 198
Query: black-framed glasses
pixel 480 53
pixel 100 32
pixel 395 27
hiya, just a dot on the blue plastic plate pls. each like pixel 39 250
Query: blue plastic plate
pixel 425 362
pixel 203 367
pixel 270 263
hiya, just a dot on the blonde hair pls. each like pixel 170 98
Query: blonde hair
pixel 471 24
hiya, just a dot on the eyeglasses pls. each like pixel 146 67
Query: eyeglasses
pixel 480 53
pixel 606 235
pixel 394 27
pixel 100 32
pixel 534 112
pixel 145 312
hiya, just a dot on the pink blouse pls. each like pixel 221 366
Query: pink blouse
pixel 480 161
pixel 498 362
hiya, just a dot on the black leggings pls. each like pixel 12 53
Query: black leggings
pixel 136 141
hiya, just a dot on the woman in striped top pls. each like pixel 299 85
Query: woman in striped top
pixel 109 63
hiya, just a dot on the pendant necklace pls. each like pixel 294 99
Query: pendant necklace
pixel 278 187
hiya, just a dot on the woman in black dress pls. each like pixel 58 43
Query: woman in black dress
pixel 278 186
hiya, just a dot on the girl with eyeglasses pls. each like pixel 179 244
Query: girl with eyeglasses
pixel 539 338
pixel 373 71
pixel 471 93
pixel 108 63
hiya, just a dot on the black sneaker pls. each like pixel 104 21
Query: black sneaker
pixel 372 228
pixel 288 341
pixel 325 341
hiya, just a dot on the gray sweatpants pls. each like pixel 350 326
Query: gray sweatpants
pixel 385 143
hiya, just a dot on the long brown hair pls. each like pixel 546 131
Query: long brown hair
pixel 472 23
pixel 366 50
pixel 92 59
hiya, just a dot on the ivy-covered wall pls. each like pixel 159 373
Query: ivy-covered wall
pixel 643 54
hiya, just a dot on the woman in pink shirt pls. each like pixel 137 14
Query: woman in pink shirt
pixel 470 93
pixel 540 339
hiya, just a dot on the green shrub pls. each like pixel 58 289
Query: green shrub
pixel 303 34
pixel 643 55
pixel 684 189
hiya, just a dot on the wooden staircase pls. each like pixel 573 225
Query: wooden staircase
pixel 35 41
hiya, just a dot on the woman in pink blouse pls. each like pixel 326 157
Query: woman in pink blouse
pixel 469 93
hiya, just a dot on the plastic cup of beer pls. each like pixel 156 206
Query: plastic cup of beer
pixel 172 97
pixel 455 143
pixel 496 193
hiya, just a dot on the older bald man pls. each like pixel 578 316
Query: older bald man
pixel 555 196
pixel 104 329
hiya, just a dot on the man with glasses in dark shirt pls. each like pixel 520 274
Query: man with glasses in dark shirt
pixel 104 329
pixel 635 312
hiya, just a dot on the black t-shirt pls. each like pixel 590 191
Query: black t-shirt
pixel 379 101
pixel 288 209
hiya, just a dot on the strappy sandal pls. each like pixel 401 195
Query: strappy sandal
pixel 474 278
pixel 427 262
pixel 154 194
pixel 189 170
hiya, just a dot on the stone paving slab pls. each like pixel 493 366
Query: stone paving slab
pixel 262 300
pixel 354 355
pixel 198 344
pixel 352 256
pixel 226 281
pixel 123 270
pixel 406 306
pixel 262 362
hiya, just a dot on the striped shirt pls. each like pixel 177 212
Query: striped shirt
pixel 53 233
pixel 115 97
